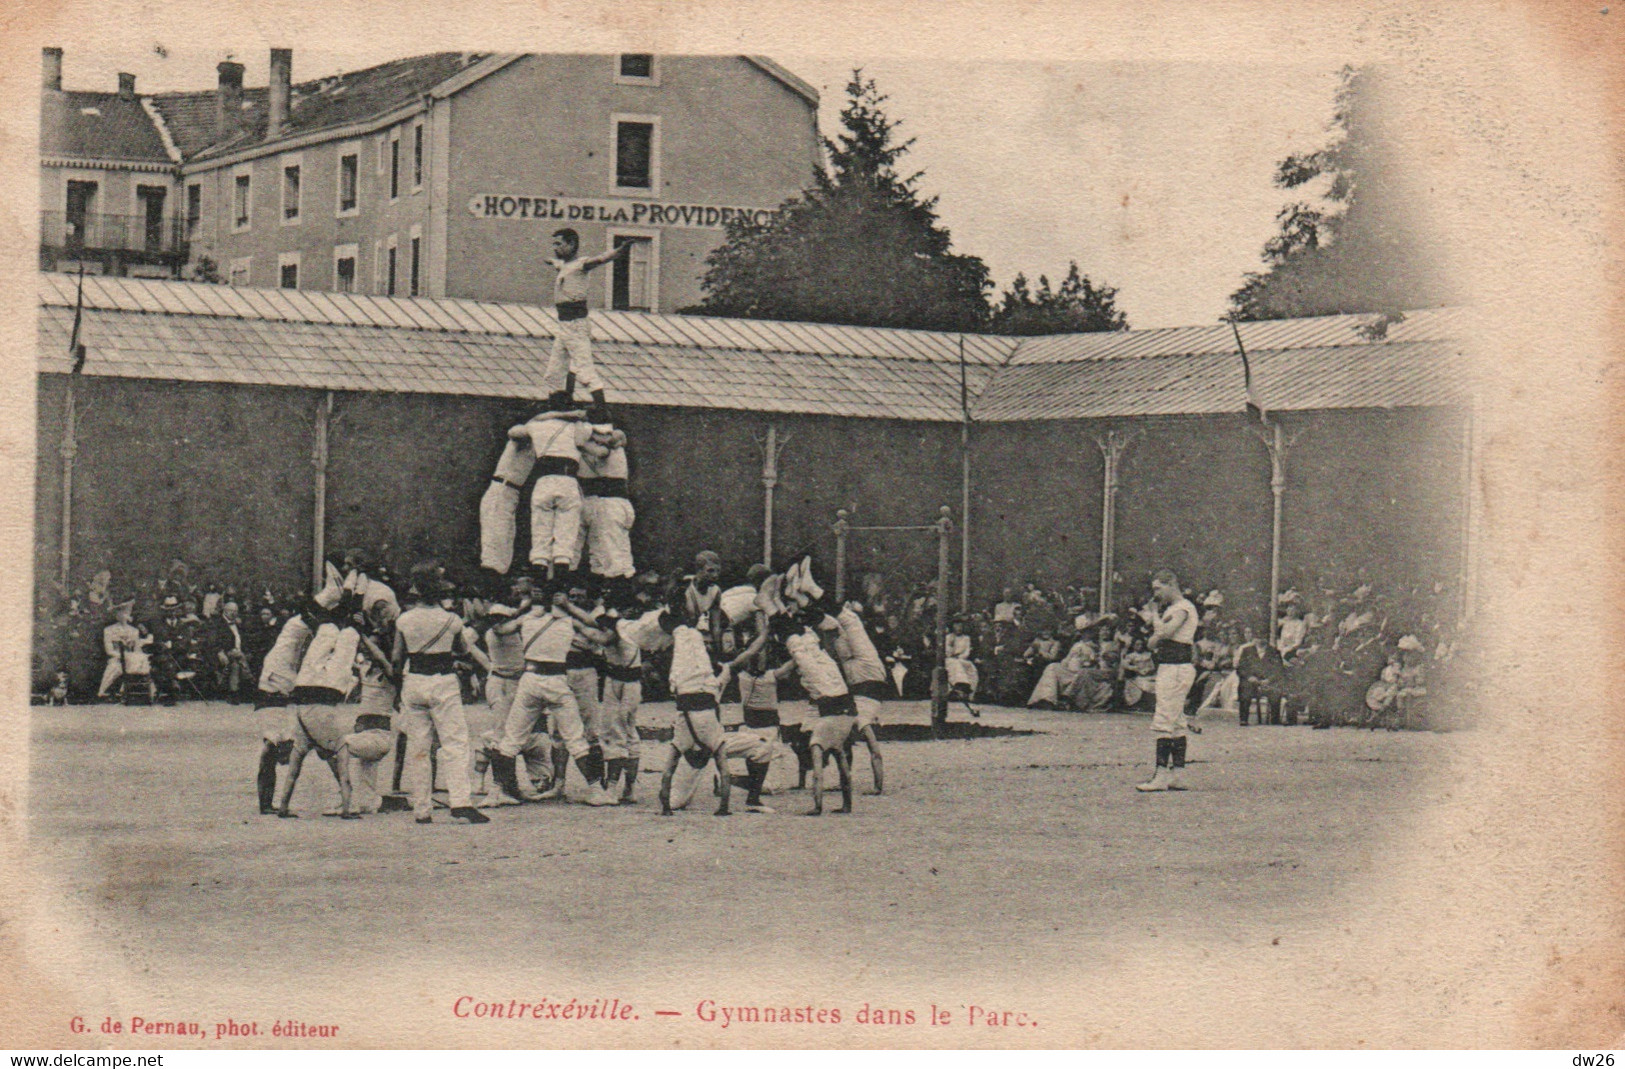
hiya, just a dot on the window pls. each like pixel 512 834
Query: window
pixel 412 264
pixel 394 166
pixel 383 151
pixel 81 217
pixel 240 271
pixel 290 189
pixel 242 200
pixel 632 281
pixel 194 209
pixel 637 150
pixel 417 156
pixel 287 270
pixel 151 216
pixel 636 68
pixel 344 258
pixel 349 182
pixel 389 270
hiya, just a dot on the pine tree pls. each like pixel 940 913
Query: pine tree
pixel 1078 307
pixel 862 246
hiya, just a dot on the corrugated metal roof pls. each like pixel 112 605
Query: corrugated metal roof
pixel 1429 324
pixel 635 328
pixel 191 332
pixel 1389 375
pixel 398 360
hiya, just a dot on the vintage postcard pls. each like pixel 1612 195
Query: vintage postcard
pixel 852 525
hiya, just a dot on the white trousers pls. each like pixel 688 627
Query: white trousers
pixel 555 520
pixel 619 713
pixel 572 351
pixel 1173 683
pixel 607 532
pixel 431 708
pixel 537 696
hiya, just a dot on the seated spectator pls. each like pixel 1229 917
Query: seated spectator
pixel 1096 684
pixel 1410 700
pixel 123 643
pixel 1292 630
pixel 1381 695
pixel 1258 679
pixel 963 678
pixel 1055 683
pixel 226 654
pixel 1007 610
pixel 1138 672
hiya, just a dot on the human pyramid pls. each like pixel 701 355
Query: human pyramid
pixel 564 645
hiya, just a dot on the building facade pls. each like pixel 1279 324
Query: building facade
pixel 108 182
pixel 445 175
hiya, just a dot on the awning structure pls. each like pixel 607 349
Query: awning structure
pixel 191 332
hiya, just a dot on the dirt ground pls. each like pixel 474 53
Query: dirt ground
pixel 990 868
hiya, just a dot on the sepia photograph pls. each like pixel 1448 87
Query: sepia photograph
pixel 850 527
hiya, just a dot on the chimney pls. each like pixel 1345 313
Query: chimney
pixel 281 79
pixel 126 86
pixel 53 68
pixel 228 113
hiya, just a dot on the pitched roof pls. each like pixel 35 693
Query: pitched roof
pixel 321 104
pixel 1350 361
pixel 344 99
pixel 191 332
pixel 102 126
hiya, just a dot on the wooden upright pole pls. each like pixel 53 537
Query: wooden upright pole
pixel 70 450
pixel 318 461
pixel 939 671
pixel 841 527
pixel 1112 446
pixel 770 479
pixel 1277 446
pixel 964 482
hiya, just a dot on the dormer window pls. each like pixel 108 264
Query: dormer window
pixel 636 68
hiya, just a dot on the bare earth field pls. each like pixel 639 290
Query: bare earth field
pixel 990 872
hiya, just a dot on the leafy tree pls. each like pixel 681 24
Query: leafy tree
pixel 1359 250
pixel 860 247
pixel 1079 306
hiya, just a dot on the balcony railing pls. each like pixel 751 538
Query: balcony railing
pixel 100 232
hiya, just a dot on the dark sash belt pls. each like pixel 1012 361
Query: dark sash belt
pixel 556 466
pixel 569 311
pixel 840 705
pixel 431 664
pixel 603 486
pixel 1173 652
pixel 872 688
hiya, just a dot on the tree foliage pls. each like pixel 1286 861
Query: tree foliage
pixel 1357 250
pixel 1078 306
pixel 862 246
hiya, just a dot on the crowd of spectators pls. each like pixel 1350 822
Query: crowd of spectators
pixel 1356 656
pixel 1353 656
pixel 168 636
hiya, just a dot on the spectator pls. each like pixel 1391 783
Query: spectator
pixel 122 643
pixel 963 678
pixel 1138 672
pixel 226 654
pixel 1055 683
